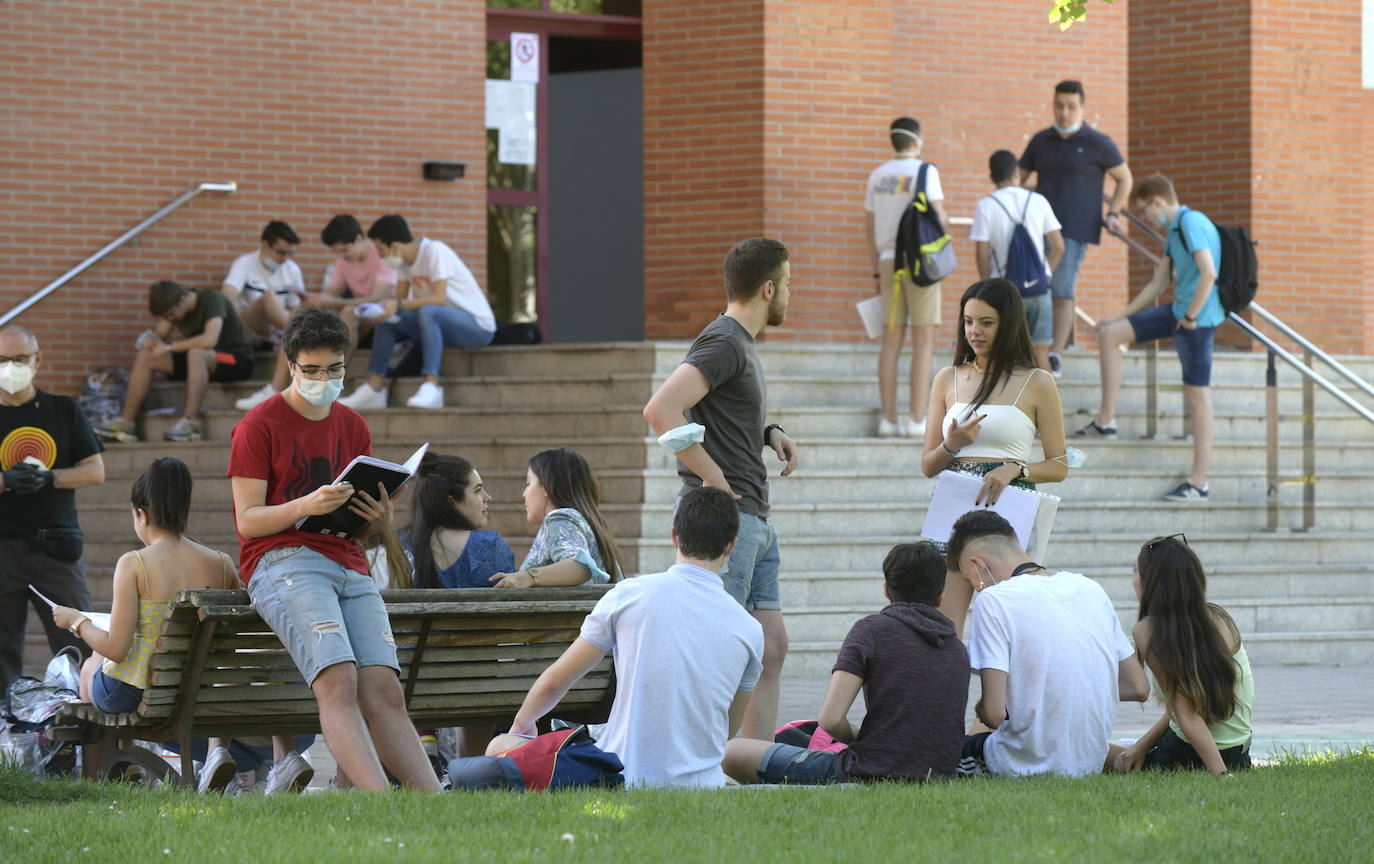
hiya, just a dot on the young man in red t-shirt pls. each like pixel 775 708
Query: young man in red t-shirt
pixel 312 589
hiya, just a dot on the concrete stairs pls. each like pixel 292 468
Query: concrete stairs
pixel 1299 597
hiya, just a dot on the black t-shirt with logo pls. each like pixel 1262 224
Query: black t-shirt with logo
pixel 53 430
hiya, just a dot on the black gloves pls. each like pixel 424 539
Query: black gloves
pixel 26 479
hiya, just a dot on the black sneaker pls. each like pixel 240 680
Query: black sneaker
pixel 1187 493
pixel 1056 367
pixel 1097 430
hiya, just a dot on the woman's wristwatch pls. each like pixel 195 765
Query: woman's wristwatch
pixel 75 629
pixel 534 576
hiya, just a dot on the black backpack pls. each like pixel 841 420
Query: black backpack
pixel 1238 269
pixel 924 250
pixel 1024 267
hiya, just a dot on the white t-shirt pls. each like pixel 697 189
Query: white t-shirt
pixel 891 187
pixel 251 279
pixel 435 261
pixel 683 648
pixel 993 226
pixel 1059 641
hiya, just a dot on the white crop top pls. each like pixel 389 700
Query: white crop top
pixel 1006 433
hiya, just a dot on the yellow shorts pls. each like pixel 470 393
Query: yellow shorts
pixel 917 304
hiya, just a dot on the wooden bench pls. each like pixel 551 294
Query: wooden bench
pixel 467 656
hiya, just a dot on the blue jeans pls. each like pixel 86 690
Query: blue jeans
pixel 751 574
pixel 436 328
pixel 785 763
pixel 1065 276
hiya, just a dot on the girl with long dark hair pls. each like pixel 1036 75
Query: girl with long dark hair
pixel 574 543
pixel 990 406
pixel 447 543
pixel 1201 671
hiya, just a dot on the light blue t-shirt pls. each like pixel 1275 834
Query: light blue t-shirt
pixel 1200 234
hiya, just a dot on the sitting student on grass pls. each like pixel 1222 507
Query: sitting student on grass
pixel 574 543
pixel 146 582
pixel 1202 673
pixel 914 673
pixel 687 656
pixel 1049 650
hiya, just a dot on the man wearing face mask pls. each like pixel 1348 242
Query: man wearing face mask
pixel 438 304
pixel 313 589
pixel 1050 653
pixel 265 285
pixel 1193 245
pixel 1067 163
pixel 47 451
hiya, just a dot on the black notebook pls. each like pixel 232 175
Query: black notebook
pixel 364 472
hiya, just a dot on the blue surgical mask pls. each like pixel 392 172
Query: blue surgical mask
pixel 1068 130
pixel 319 393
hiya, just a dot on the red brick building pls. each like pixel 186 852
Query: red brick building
pixel 754 117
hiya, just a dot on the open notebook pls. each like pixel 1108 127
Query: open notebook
pixel 1031 514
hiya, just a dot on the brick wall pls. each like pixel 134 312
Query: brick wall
pixel 109 109
pixel 1255 111
pixel 834 75
pixel 703 153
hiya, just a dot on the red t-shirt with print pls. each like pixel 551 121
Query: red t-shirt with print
pixel 296 456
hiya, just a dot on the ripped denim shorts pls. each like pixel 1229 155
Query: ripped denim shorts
pixel 323 612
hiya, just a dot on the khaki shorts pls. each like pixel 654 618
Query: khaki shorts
pixel 918 304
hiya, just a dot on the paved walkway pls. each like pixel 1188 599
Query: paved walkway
pixel 1297 709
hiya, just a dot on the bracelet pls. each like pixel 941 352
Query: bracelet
pixel 953 454
pixel 534 576
pixel 75 629
pixel 769 428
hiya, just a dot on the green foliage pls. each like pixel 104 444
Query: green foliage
pixel 1299 810
pixel 1067 13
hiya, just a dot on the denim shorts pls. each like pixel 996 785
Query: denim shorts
pixel 1066 274
pixel 1040 319
pixel 751 574
pixel 786 763
pixel 114 696
pixel 323 612
pixel 1194 346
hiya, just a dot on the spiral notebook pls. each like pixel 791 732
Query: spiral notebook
pixel 1031 514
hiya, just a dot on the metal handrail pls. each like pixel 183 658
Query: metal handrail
pixel 1310 379
pixel 133 232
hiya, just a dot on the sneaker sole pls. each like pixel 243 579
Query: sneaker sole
pixel 223 776
pixel 1176 500
pixel 182 439
pixel 118 437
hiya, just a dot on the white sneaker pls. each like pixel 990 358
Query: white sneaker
pixel 365 398
pixel 914 428
pixel 218 770
pixel 430 395
pixel 291 774
pixel 888 429
pixel 248 403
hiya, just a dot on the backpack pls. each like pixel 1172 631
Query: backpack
pixel 102 394
pixel 1024 267
pixel 1238 269
pixel 554 760
pixel 924 250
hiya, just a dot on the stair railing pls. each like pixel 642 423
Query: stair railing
pixel 114 244
pixel 1310 380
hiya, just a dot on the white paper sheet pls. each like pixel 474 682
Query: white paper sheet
pixel 510 111
pixel 871 313
pixel 1031 514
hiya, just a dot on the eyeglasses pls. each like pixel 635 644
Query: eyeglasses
pixel 334 372
pixel 21 359
pixel 1150 544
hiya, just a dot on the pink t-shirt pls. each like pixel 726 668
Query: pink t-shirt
pixel 359 277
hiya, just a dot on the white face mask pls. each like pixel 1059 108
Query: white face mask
pixel 393 261
pixel 15 377
pixel 270 264
pixel 319 393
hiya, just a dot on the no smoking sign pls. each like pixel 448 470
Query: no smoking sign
pixel 524 57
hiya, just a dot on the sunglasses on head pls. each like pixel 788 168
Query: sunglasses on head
pixel 1150 544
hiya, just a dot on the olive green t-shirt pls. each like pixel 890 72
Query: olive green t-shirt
pixel 233 338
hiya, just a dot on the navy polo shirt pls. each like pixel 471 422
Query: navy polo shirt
pixel 1069 173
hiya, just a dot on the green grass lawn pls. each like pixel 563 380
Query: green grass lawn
pixel 1311 809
